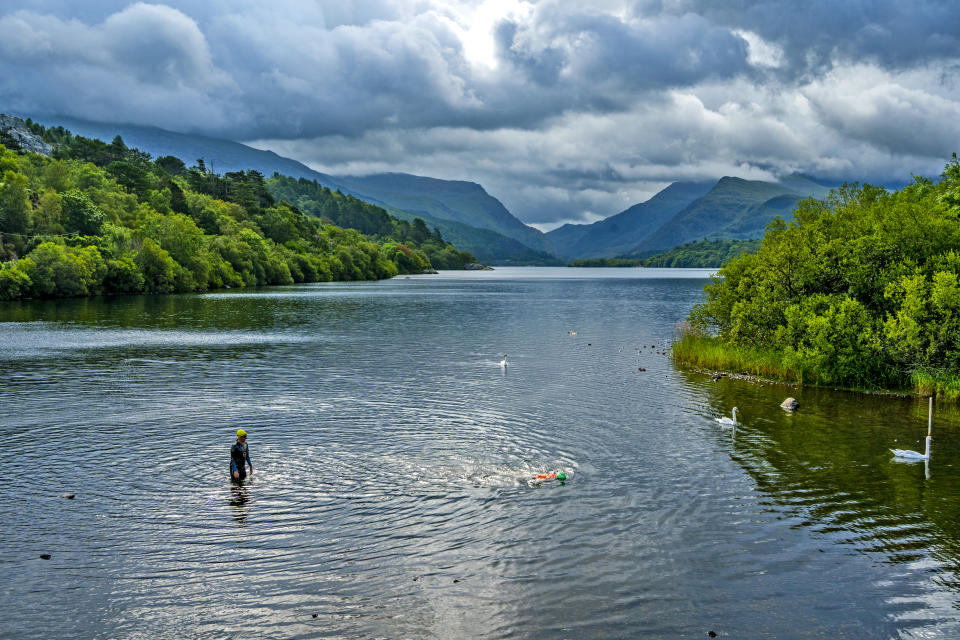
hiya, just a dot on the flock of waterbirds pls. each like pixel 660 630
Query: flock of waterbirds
pixel 901 455
pixel 658 349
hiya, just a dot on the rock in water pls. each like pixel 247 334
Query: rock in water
pixel 68 496
pixel 789 404
pixel 44 556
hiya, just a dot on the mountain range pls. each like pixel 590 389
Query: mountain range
pixel 473 220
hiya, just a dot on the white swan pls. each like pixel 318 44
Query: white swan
pixel 727 422
pixel 906 454
pixel 503 363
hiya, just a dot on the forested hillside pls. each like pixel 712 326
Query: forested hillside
pixel 104 218
pixel 860 289
pixel 449 200
pixel 703 254
pixel 349 212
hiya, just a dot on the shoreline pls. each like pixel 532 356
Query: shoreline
pixel 760 380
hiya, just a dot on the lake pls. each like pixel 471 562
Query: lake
pixel 394 494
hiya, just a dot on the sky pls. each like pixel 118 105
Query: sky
pixel 565 110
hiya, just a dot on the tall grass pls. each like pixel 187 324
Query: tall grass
pixel 705 352
pixel 699 350
pixel 936 382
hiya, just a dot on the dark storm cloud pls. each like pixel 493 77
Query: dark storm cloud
pixel 323 70
pixel 894 33
pixel 602 50
pixel 562 109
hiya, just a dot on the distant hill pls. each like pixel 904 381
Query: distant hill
pixel 454 200
pixel 734 209
pixel 622 232
pixel 219 155
pixel 702 254
pixel 495 236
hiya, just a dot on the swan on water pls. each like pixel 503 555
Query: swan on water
pixel 727 422
pixel 906 454
pixel 503 363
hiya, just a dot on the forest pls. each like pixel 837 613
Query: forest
pixel 98 218
pixel 860 290
pixel 349 212
pixel 703 254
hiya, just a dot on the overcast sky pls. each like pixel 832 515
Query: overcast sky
pixel 564 110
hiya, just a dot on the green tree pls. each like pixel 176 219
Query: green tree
pixel 58 271
pixel 80 214
pixel 13 281
pixel 157 267
pixel 15 203
pixel 123 276
pixel 48 216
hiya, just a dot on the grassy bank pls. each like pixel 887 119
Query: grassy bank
pixel 700 351
pixel 704 352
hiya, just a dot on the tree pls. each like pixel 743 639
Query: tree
pixel 80 214
pixel 13 281
pixel 157 267
pixel 58 271
pixel 14 203
pixel 172 165
pixel 48 216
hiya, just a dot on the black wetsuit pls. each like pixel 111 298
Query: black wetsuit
pixel 239 456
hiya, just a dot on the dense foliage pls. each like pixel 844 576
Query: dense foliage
pixel 861 289
pixel 349 212
pixel 703 254
pixel 606 262
pixel 104 218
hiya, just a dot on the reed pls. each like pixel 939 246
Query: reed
pixel 701 351
pixel 706 352
pixel 936 382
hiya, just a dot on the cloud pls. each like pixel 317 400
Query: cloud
pixel 815 34
pixel 564 110
pixel 144 62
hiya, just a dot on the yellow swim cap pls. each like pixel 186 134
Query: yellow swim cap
pixel 241 433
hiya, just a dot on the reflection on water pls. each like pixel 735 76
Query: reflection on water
pixel 239 497
pixel 396 462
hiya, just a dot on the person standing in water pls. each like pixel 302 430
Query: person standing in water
pixel 240 454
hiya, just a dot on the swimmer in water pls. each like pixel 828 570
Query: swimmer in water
pixel 556 475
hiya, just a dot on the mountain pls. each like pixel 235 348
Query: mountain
pixel 219 155
pixel 475 221
pixel 463 212
pixel 734 209
pixel 730 208
pixel 620 233
pixel 455 200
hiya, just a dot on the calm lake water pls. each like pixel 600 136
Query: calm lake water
pixel 393 457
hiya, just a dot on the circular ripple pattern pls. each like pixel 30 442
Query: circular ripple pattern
pixel 394 492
